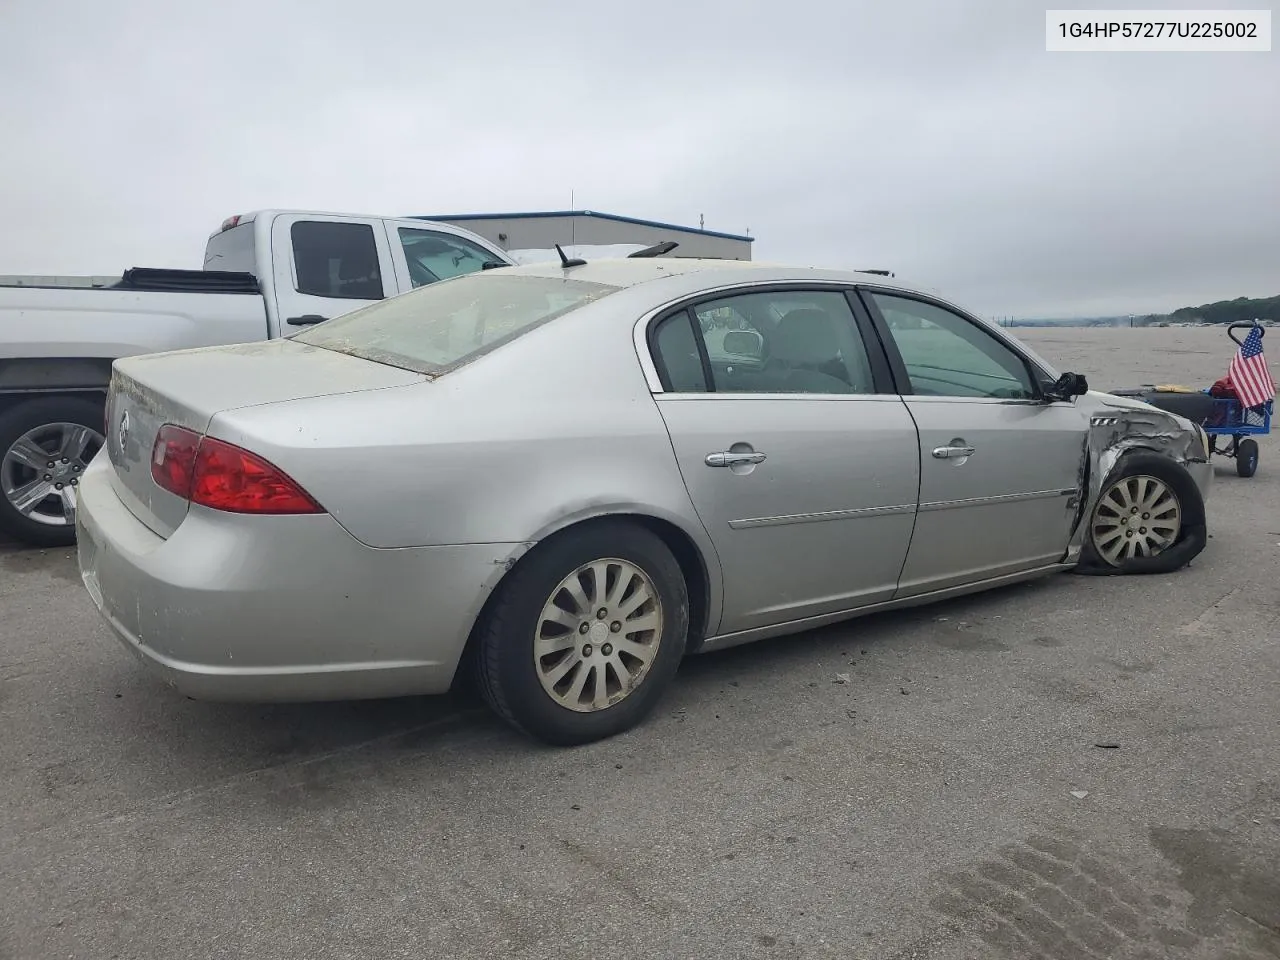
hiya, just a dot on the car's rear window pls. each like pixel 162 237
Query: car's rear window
pixel 232 250
pixel 443 325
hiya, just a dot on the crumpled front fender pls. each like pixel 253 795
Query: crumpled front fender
pixel 1120 425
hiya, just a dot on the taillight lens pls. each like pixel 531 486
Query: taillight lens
pixel 173 459
pixel 222 476
pixel 232 479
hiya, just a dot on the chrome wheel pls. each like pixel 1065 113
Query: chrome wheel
pixel 598 635
pixel 1136 517
pixel 40 472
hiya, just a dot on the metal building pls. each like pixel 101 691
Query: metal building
pixel 541 231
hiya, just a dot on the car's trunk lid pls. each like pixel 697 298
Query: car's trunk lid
pixel 189 387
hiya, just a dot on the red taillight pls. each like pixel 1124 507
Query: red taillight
pixel 173 459
pixel 229 478
pixel 222 476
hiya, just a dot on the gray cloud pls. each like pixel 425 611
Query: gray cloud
pixel 937 138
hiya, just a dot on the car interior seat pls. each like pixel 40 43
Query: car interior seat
pixel 359 281
pixel 805 354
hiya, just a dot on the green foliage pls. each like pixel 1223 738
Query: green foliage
pixel 1239 310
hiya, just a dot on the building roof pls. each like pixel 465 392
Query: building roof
pixel 547 214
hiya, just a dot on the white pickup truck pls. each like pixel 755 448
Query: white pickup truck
pixel 267 274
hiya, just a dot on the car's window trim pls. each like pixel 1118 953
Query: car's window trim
pixel 660 363
pixel 902 379
pixel 881 372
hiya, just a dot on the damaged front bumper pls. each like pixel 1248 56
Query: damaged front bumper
pixel 1120 425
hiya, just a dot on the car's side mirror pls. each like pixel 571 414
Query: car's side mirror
pixel 744 343
pixel 1067 388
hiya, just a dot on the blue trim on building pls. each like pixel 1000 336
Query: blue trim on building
pixel 584 213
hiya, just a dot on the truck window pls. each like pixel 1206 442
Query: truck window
pixel 232 250
pixel 337 260
pixel 433 256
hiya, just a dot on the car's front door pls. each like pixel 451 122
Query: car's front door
pixel 800 460
pixel 424 255
pixel 1000 468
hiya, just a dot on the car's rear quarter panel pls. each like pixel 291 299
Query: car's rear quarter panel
pixel 280 608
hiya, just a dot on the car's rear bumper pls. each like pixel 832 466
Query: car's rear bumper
pixel 279 608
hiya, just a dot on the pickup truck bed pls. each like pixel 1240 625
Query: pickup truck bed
pixel 140 312
pixel 146 278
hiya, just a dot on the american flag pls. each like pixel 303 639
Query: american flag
pixel 1249 374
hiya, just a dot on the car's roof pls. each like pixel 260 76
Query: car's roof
pixel 632 272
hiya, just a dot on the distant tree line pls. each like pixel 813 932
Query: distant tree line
pixel 1239 310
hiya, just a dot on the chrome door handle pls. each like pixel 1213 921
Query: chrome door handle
pixel 733 459
pixel 948 453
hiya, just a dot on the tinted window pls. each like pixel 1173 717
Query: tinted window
pixel 232 250
pixel 336 260
pixel 947 355
pixel 784 342
pixel 676 354
pixel 441 325
pixel 433 256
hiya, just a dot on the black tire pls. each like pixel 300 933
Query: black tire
pixel 504 654
pixel 1191 538
pixel 19 420
pixel 1247 458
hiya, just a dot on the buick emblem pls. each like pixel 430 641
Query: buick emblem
pixel 123 433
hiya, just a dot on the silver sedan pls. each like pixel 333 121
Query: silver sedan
pixel 564 479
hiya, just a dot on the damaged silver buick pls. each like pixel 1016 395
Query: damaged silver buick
pixel 563 478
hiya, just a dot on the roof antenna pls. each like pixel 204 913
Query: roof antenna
pixel 566 263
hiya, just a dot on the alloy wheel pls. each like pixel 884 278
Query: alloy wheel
pixel 1137 516
pixel 40 473
pixel 597 635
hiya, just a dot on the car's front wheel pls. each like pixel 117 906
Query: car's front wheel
pixel 1149 518
pixel 585 634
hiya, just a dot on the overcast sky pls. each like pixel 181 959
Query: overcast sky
pixel 935 138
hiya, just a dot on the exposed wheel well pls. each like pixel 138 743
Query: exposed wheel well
pixel 692 566
pixel 696 578
pixel 46 374
pixel 10 400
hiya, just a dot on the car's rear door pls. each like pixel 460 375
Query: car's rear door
pixel 1001 469
pixel 802 464
pixel 326 265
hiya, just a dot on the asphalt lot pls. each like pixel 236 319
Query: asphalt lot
pixel 947 800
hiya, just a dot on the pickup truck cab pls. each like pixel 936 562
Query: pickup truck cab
pixel 266 274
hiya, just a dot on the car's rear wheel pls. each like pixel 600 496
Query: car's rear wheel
pixel 585 634
pixel 45 446
pixel 1149 518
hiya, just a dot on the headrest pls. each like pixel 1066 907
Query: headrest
pixel 805 336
